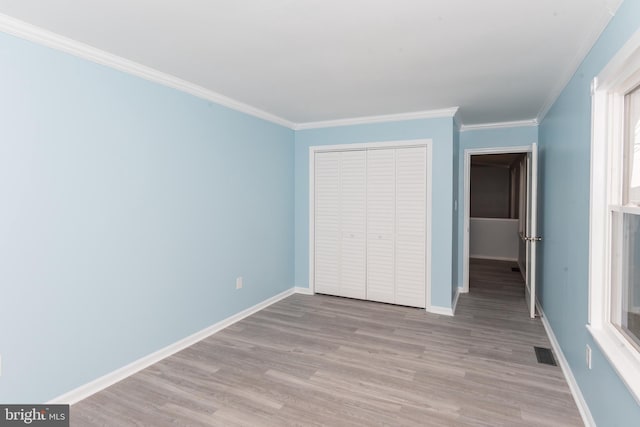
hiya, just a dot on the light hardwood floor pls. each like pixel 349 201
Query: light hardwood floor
pixel 321 360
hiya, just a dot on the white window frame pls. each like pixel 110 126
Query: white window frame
pixel 609 88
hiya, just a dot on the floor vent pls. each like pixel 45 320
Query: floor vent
pixel 515 269
pixel 544 355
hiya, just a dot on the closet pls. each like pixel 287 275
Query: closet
pixel 370 216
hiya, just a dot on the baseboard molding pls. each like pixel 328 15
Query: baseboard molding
pixel 303 291
pixel 585 413
pixel 494 258
pixel 445 311
pixel 111 378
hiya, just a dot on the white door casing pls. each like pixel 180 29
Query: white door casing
pixel 532 237
pixel 466 221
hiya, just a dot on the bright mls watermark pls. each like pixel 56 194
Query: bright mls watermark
pixel 34 415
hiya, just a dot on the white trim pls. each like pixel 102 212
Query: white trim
pixel 119 374
pixel 624 359
pixel 499 125
pixel 622 66
pixel 495 258
pixel 579 56
pixel 428 143
pixel 370 145
pixel 532 226
pixel 47 38
pixel 634 210
pixel 427 114
pixel 597 210
pixel 467 198
pixel 443 311
pixel 312 222
pixel 583 408
pixel 302 291
pixel 429 226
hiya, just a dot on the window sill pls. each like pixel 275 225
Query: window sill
pixel 624 359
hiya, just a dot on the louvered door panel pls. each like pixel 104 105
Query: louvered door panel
pixel 370 224
pixel 327 223
pixel 411 193
pixel 352 224
pixel 380 225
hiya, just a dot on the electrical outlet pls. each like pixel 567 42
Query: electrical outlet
pixel 588 357
pixel 239 282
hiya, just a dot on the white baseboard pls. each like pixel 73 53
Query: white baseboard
pixel 445 311
pixel 494 258
pixel 111 378
pixel 585 413
pixel 303 291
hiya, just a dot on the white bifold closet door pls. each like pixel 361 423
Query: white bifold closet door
pixel 411 220
pixel 396 225
pixel 340 218
pixel 370 224
pixel 381 219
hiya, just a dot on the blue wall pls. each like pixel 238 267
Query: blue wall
pixel 127 211
pixel 565 140
pixel 485 138
pixel 441 132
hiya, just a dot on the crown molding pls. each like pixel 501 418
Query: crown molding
pixel 499 125
pixel 47 38
pixel 429 114
pixel 611 7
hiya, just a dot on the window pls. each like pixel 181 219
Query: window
pixel 614 276
pixel 625 234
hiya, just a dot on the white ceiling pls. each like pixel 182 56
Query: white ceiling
pixel 315 60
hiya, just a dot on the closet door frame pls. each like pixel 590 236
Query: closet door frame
pixel 427 143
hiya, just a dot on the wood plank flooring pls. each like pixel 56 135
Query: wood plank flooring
pixel 328 361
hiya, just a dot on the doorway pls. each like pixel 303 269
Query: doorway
pixel 499 234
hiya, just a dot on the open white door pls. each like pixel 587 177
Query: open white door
pixel 532 237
